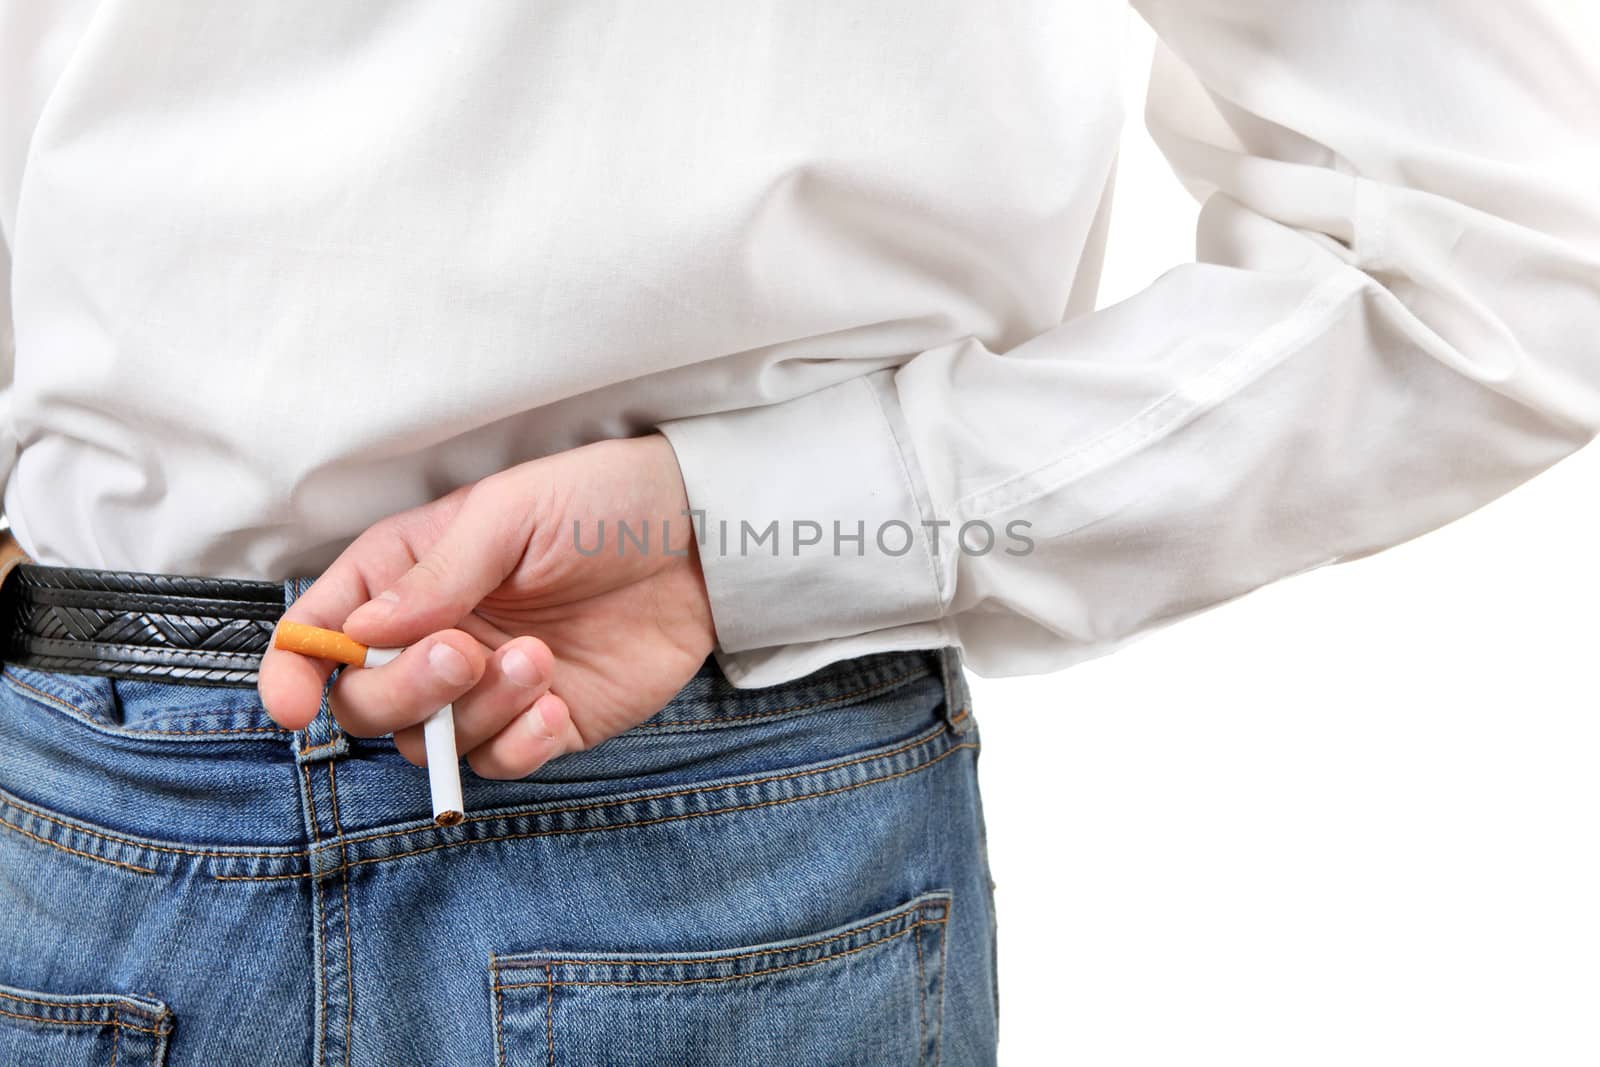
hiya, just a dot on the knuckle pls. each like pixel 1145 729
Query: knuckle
pixel 349 714
pixel 433 568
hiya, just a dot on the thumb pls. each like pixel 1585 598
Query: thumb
pixel 470 559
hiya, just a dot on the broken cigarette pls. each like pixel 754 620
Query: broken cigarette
pixel 438 732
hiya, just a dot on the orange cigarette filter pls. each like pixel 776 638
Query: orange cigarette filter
pixel 315 641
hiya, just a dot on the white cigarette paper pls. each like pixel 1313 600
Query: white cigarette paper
pixel 439 738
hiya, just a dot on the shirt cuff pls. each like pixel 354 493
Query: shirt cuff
pixel 810 516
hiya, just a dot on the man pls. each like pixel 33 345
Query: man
pixel 571 345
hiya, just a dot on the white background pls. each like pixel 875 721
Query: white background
pixel 1351 818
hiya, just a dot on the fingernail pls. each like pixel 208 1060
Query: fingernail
pixel 519 668
pixel 449 664
pixel 538 723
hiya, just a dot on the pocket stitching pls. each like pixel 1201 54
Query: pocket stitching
pixel 944 949
pixel 877 943
pixel 497 989
pixel 921 903
pixel 929 909
pixel 114 1021
pixel 922 996
pixel 160 1018
pixel 919 906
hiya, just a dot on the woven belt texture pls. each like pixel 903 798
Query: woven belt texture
pixel 131 624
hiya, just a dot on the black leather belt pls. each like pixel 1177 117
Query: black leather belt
pixel 132 624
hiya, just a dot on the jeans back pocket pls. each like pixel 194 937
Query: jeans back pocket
pixel 82 1029
pixel 868 993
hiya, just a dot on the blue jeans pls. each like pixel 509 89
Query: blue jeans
pixel 788 875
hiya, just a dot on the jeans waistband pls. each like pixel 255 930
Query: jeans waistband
pixel 153 759
pixel 176 711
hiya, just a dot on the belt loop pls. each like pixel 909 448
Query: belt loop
pixel 957 697
pixel 321 738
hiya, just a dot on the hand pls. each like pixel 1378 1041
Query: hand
pixel 544 643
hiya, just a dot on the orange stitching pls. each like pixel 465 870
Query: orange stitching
pixel 877 687
pixel 61 702
pixel 690 791
pixel 131 843
pixel 499 1013
pixel 550 1013
pixel 614 826
pixel 736 977
pixel 116 1035
pixel 349 965
pixel 74 851
pixel 944 949
pixel 322 925
pixel 591 805
pixel 922 1005
pixel 319 748
pixel 112 1004
pixel 88 717
pixel 962 714
pixel 221 730
pixel 118 1023
pixel 898 914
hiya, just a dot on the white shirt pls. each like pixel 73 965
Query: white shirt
pixel 279 270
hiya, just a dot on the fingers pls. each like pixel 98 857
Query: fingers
pixel 518 674
pixel 528 741
pixel 373 701
pixel 474 554
pixel 510 725
pixel 290 684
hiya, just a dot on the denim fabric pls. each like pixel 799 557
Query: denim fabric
pixel 788 875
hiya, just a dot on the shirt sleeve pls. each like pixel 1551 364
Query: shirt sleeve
pixel 1391 320
pixel 8 359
